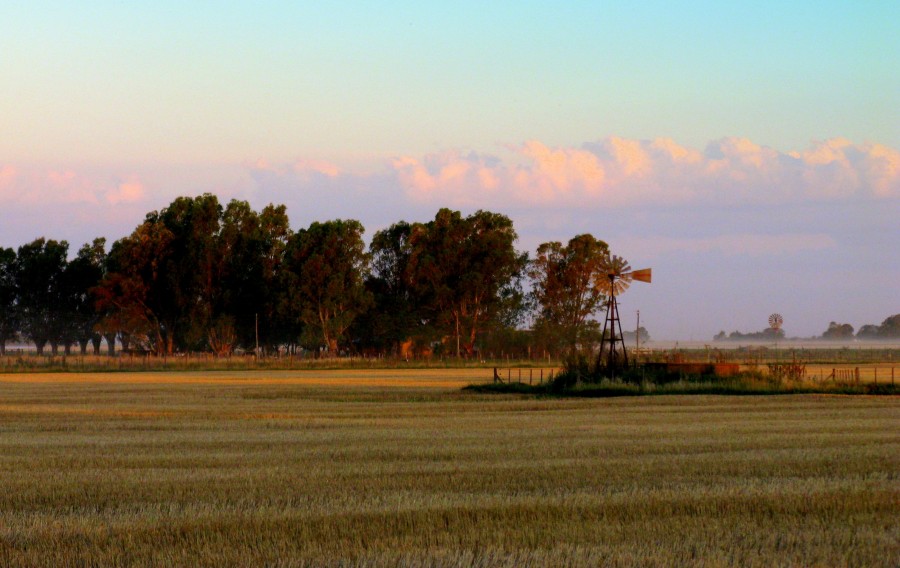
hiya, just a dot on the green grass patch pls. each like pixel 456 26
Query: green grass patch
pixel 748 384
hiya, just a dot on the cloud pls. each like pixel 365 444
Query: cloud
pixel 7 173
pixel 47 187
pixel 618 171
pixel 126 192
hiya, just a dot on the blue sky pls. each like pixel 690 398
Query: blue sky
pixel 737 147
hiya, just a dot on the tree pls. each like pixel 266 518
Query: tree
pixel 252 248
pixel 838 331
pixel 890 327
pixel 196 275
pixel 192 271
pixel 395 317
pixel 81 275
pixel 275 233
pixel 327 263
pixel 240 251
pixel 466 271
pixel 868 331
pixel 133 298
pixel 566 286
pixel 39 271
pixel 9 324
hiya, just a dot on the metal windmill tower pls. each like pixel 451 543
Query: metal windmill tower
pixel 613 355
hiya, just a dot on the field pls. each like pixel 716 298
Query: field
pixel 387 467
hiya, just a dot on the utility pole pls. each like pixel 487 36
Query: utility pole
pixel 637 338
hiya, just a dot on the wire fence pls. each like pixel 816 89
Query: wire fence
pixel 853 374
pixel 530 375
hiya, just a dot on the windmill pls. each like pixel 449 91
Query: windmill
pixel 619 275
pixel 775 322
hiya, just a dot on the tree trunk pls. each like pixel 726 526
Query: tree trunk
pixel 456 317
pixel 110 343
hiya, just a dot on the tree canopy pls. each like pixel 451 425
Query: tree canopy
pixel 199 275
pixel 466 271
pixel 566 287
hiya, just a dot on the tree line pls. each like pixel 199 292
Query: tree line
pixel 889 329
pixel 202 276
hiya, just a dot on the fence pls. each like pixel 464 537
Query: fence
pixel 857 375
pixel 523 375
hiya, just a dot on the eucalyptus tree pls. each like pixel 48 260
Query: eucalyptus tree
pixel 252 247
pixel 326 265
pixel 565 287
pixel 133 297
pixel 9 324
pixel 465 270
pixel 193 269
pixel 275 326
pixel 81 276
pixel 39 270
pixel 396 313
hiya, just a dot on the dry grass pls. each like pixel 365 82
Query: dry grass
pixel 885 372
pixel 387 468
pixel 419 378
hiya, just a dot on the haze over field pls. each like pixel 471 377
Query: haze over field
pixel 749 153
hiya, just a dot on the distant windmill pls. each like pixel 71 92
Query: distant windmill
pixel 776 321
pixel 613 355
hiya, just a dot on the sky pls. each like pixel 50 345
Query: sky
pixel 749 152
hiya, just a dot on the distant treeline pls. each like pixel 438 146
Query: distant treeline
pixel 889 329
pixel 200 276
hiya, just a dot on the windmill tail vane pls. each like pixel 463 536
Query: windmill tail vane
pixel 642 275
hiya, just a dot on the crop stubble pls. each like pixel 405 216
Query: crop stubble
pixel 387 467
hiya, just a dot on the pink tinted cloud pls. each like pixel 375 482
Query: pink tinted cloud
pixel 35 187
pixel 7 176
pixel 619 171
pixel 452 172
pixel 126 192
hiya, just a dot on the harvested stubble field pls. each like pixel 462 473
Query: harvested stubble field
pixel 400 467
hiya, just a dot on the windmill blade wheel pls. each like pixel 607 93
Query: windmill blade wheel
pixel 618 276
